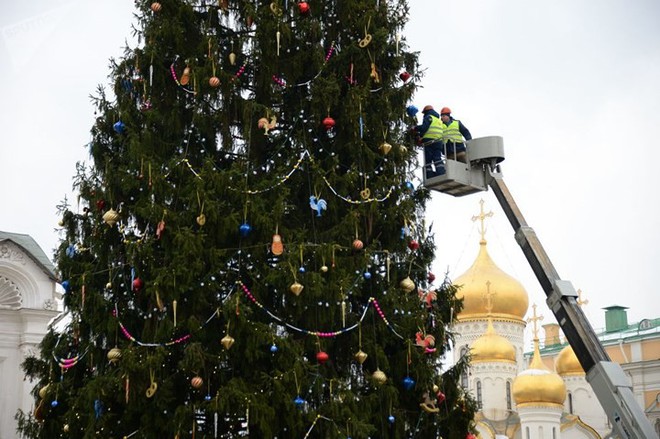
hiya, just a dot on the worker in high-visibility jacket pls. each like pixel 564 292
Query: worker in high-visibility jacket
pixel 453 135
pixel 431 134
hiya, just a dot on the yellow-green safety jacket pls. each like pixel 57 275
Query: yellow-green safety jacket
pixel 451 132
pixel 435 129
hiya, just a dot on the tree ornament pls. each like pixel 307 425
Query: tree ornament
pixel 440 396
pixel 232 59
pixel 413 245
pixel 227 341
pixel 385 148
pixel 43 391
pixel 277 247
pixel 379 377
pixel 299 402
pixel 266 125
pixel 65 428
pixel 322 357
pixel 119 127
pixel 411 110
pixel 361 356
pixel 303 8
pixel 408 383
pixel 197 382
pixel 430 277
pixel 428 405
pixel 111 217
pixel 214 81
pixel 39 411
pixel 296 288
pixel 137 285
pixel 391 419
pixel 407 284
pixel 185 76
pixel 319 205
pixel 201 219
pixel 324 268
pixel 357 244
pixel 156 7
pixel 405 76
pixel 114 355
pixel 328 123
pixel 403 149
pixel 160 228
pixel 54 403
pixel 367 275
pixel 245 229
pixel 66 286
pixel 273 348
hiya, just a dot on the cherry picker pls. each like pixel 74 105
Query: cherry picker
pixel 612 387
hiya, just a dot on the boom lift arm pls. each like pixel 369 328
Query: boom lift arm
pixel 608 381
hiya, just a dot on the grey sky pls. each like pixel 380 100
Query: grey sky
pixel 571 86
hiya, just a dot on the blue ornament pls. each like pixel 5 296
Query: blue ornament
pixel 71 250
pixel 54 403
pixel 408 383
pixel 98 408
pixel 367 275
pixel 207 397
pixel 301 269
pixel 299 401
pixel 391 419
pixel 245 229
pixel 274 348
pixel 66 286
pixel 119 127
pixel 411 110
pixel 409 186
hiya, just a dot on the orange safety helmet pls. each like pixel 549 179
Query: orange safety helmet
pixel 445 110
pixel 427 108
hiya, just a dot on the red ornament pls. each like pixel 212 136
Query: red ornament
pixel 328 123
pixel 357 244
pixel 413 245
pixel 430 277
pixel 405 76
pixel 214 81
pixel 441 397
pixel 322 357
pixel 100 205
pixel 470 436
pixel 138 284
pixel 303 7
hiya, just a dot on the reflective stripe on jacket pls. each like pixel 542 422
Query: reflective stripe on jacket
pixel 451 132
pixel 435 129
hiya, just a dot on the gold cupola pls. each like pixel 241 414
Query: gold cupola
pixel 491 346
pixel 567 363
pixel 512 298
pixel 538 385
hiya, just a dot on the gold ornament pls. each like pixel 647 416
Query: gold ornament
pixel 385 148
pixel 65 428
pixel 361 356
pixel 379 377
pixel 156 7
pixel 197 382
pixel 365 193
pixel 60 223
pixel 214 81
pixel 111 217
pixel 324 268
pixel 43 391
pixel 108 285
pixel 151 391
pixel 201 219
pixel 232 59
pixel 114 355
pixel 407 285
pixel 227 341
pixel 403 149
pixel 296 288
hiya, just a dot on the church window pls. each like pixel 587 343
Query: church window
pixel 480 401
pixel 508 395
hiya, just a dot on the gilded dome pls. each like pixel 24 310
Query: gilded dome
pixel 567 363
pixel 483 276
pixel 537 384
pixel 492 347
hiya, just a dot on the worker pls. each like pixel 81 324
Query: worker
pixel 430 131
pixel 453 133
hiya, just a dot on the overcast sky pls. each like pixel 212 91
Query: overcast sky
pixel 573 87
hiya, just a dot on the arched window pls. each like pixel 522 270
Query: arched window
pixel 480 401
pixel 508 395
pixel 464 375
pixel 527 433
pixel 570 403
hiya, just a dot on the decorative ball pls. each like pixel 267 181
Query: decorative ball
pixel 328 123
pixel 138 284
pixel 54 403
pixel 367 275
pixel 108 285
pixel 66 286
pixel 385 148
pixel 227 341
pixel 214 81
pixel 430 277
pixel 119 127
pixel 391 419
pixel 405 76
pixel 324 268
pixel 244 229
pixel 409 186
pixel 322 357
pixel 361 356
pixel 299 401
pixel 156 7
pixel 43 391
pixel 232 58
pixel 408 383
pixel 114 355
pixel 379 377
pixel 197 382
pixel 100 205
pixel 412 111
pixel 301 269
pixel 296 288
pixel 207 397
pixel 303 7
pixel 441 397
pixel 273 348
pixel 111 217
pixel 357 244
pixel 413 245
pixel 65 428
pixel 407 285
pixel 403 149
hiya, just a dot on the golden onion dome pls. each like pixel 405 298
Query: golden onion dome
pixel 567 363
pixel 512 300
pixel 537 384
pixel 492 347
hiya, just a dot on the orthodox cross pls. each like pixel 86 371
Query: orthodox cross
pixel 579 301
pixel 481 217
pixel 533 320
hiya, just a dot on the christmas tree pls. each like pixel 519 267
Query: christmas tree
pixel 248 254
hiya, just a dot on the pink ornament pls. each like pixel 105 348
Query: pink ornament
pixel 357 244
